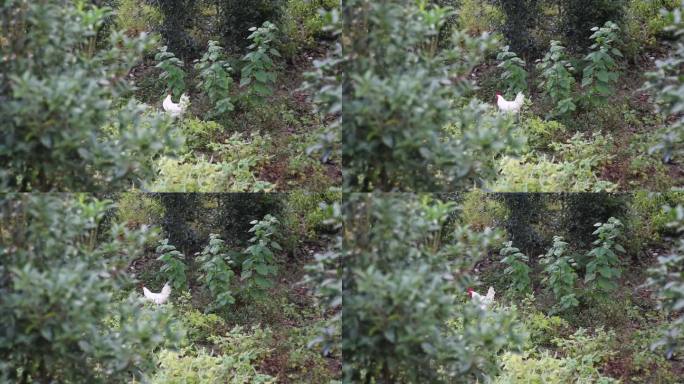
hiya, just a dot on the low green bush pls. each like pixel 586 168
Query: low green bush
pixel 135 209
pixel 233 173
pixel 582 357
pixel 135 17
pixel 643 23
pixel 302 24
pixel 306 214
pixel 591 152
pixel 542 328
pixel 528 174
pixel 541 133
pixel 199 134
pixel 186 366
pixel 480 212
pixel 478 17
pixel 199 327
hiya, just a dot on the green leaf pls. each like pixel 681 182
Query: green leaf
pixel 390 335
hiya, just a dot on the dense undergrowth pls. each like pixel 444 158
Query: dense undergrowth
pixel 600 79
pixel 586 288
pixel 252 300
pixel 82 109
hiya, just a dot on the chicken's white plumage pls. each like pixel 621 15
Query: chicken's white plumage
pixel 482 301
pixel 158 298
pixel 176 110
pixel 510 106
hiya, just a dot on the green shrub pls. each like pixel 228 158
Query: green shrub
pixel 199 134
pixel 576 172
pixel 514 75
pixel 260 73
pixel 200 327
pixel 233 173
pixel 259 265
pixel 65 316
pixel 604 265
pixel 590 153
pixel 135 17
pixel 204 368
pixel 583 355
pixel 399 295
pixel 516 268
pixel 65 123
pixel 478 17
pixel 665 82
pixel 216 81
pixel 560 276
pixel 601 72
pixel 543 175
pixel 401 101
pixel 540 133
pixel 543 328
pixel 303 23
pixel 556 79
pixel 135 209
pixel 525 368
pixel 216 273
pixel 172 75
pixel 667 276
pixel 174 266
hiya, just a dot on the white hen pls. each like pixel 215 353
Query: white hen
pixel 176 110
pixel 510 106
pixel 482 301
pixel 158 298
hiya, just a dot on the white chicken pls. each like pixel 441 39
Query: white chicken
pixel 176 110
pixel 158 298
pixel 510 106
pixel 482 301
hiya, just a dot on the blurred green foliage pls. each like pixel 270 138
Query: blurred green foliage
pixel 62 275
pixel 67 125
pixel 402 280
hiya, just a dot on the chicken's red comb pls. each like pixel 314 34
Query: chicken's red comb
pixel 470 292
